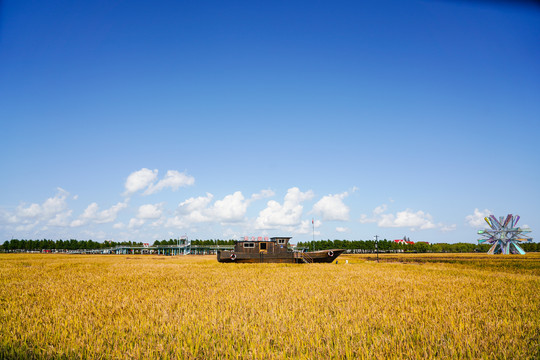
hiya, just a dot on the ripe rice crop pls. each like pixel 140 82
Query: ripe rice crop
pixel 191 307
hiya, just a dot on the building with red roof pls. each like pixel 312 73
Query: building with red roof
pixel 404 241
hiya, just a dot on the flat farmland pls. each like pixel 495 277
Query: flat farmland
pixel 440 306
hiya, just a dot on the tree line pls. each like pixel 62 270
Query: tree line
pixel 73 244
pixel 392 246
pixel 363 245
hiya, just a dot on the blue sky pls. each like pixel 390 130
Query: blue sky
pixel 130 120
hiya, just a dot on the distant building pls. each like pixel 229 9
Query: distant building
pixel 404 241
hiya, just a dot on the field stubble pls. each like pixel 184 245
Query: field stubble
pixel 65 306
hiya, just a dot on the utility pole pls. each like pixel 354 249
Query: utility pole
pixel 377 246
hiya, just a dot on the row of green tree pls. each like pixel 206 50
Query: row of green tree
pixel 388 245
pixel 73 244
pixel 364 245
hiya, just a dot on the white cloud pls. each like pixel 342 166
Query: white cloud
pixel 477 218
pixel 176 222
pixel 144 213
pixel 110 214
pixel 77 223
pixel 331 207
pixel 407 218
pixel 53 211
pixel 447 228
pixel 61 219
pixel 136 223
pixel 92 214
pixel 263 194
pixel 173 179
pixel 196 204
pixel 7 218
pixel 376 214
pixel 32 211
pixel 305 227
pixel 146 179
pixel 139 180
pixel 27 226
pixel 45 211
pixel 289 213
pixel 150 211
pixel 342 229
pixel 294 195
pixel 231 209
pixel 192 210
pixel 418 220
pixel 55 204
pixel 380 209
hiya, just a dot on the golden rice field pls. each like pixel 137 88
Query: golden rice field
pixel 191 307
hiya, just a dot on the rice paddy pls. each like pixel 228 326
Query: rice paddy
pixel 466 306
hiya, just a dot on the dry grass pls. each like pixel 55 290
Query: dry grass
pixel 64 306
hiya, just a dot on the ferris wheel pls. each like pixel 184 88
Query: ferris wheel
pixel 504 235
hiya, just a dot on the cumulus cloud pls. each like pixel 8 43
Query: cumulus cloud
pixel 145 179
pixel 380 209
pixel 342 229
pixel 150 211
pixel 136 223
pixel 331 207
pixel 231 209
pixel 27 226
pixel 31 211
pixel 53 211
pixel 49 209
pixel 305 227
pixel 61 219
pixel 176 222
pixel 415 220
pixel 287 214
pixel 140 180
pixel 144 213
pixel 407 218
pixel 263 194
pixel 93 214
pixel 192 210
pixel 194 204
pixel 173 179
pixel 476 219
